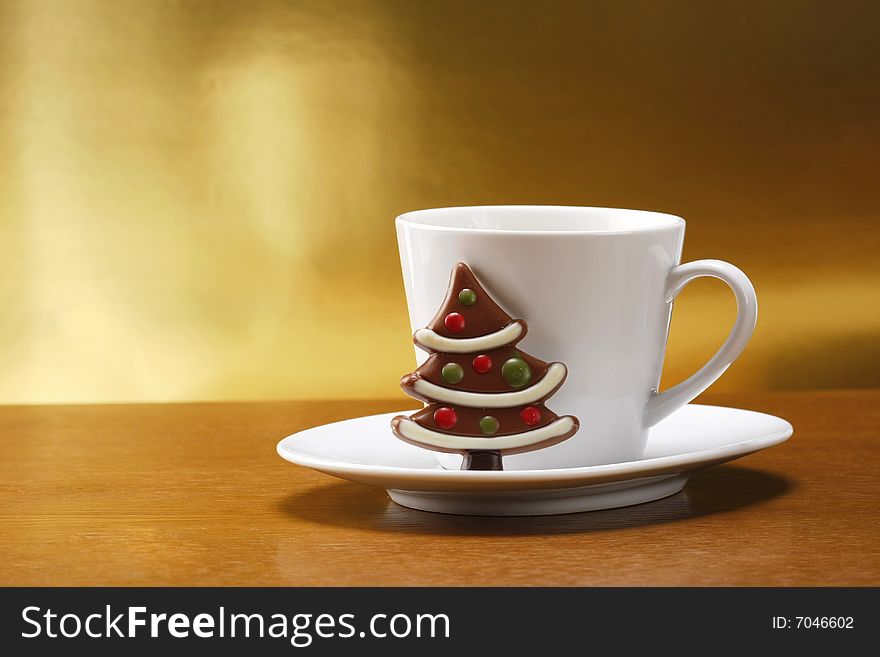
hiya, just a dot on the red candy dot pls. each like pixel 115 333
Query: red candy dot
pixel 454 322
pixel 482 363
pixel 445 417
pixel 530 415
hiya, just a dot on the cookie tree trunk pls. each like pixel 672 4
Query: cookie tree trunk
pixel 482 461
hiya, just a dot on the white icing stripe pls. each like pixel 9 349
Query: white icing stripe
pixel 436 342
pixel 552 379
pixel 420 434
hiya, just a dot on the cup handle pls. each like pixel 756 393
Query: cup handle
pixel 663 403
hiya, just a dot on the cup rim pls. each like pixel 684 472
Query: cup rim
pixel 649 220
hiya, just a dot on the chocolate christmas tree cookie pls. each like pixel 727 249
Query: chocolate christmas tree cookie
pixel 484 397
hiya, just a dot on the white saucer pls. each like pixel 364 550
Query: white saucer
pixel 364 450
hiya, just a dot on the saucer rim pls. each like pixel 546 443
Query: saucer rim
pixel 642 467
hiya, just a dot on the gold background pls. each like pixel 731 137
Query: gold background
pixel 197 198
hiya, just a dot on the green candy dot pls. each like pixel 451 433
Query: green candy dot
pixel 467 297
pixel 488 424
pixel 452 373
pixel 516 372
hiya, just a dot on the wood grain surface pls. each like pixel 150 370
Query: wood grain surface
pixel 194 494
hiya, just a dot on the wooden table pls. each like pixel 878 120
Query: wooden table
pixel 194 494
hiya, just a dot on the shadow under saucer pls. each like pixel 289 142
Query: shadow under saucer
pixel 715 490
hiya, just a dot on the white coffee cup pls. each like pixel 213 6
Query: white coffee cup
pixel 596 287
